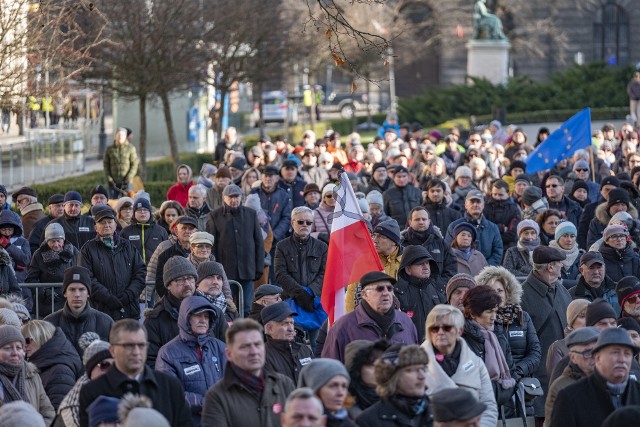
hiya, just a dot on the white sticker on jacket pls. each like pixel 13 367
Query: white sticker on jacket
pixel 468 366
pixel 305 361
pixel 192 370
pixel 516 334
pixel 134 237
pixel 81 229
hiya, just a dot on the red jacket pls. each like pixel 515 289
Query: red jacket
pixel 180 193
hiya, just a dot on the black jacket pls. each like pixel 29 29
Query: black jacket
pixel 295 190
pixel 117 277
pixel 77 230
pixel 475 341
pixel 286 357
pixel 165 392
pixel 399 201
pixel 570 209
pixel 384 414
pixel 440 252
pixel 524 344
pixel 90 320
pixel 145 236
pixel 277 205
pixel 59 366
pixel 238 243
pixel 8 281
pixel 620 263
pixel 606 290
pixel 594 402
pixel 588 213
pixel 300 263
pixel 35 238
pixel 506 215
pixel 417 298
pixel 48 266
pixel 373 185
pixel 174 250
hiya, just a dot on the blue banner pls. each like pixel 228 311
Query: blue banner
pixel 572 135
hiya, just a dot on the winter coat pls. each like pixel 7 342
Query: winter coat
pixel 222 148
pixel 607 291
pixel 620 263
pixel 600 222
pixel 373 185
pixel 35 238
pixel 152 263
pixel 174 250
pixel 300 263
pixel 59 366
pixel 475 340
pixel 633 90
pixel 35 395
pixel 473 265
pixel 277 205
pixel 238 242
pixel 162 326
pixel 78 230
pixel 471 375
pixel 315 175
pixel 18 249
pixel 230 404
pixel 197 372
pixel 418 297
pixel 180 193
pixel 384 414
pixel 200 215
pixel 165 392
pixel 89 320
pixel 570 375
pixel 517 261
pixel 48 266
pixel 286 357
pixel 145 237
pixel 588 213
pixel 30 216
pixel 595 402
pixel 398 202
pixel 547 306
pixel 8 282
pixel 214 198
pixel 294 190
pixel 506 215
pixel 442 254
pixel 488 241
pixel 117 277
pixel 441 215
pixel 593 188
pixel 120 163
pixel 568 208
pixel 357 325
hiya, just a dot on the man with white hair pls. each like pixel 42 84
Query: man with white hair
pixel 31 211
pixel 196 206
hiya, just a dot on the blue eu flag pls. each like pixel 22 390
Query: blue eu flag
pixel 573 135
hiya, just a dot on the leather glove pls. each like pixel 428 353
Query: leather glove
pixel 125 299
pixel 113 303
pixel 5 241
pixel 304 299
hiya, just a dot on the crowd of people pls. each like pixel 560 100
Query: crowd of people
pixel 502 295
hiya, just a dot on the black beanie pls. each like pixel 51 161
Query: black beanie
pixel 579 184
pixel 76 274
pixel 599 309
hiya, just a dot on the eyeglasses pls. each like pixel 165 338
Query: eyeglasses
pixel 632 299
pixel 587 354
pixel 184 280
pixel 618 236
pixel 130 346
pixel 129 209
pixel 436 328
pixel 382 288
pixel 104 365
pixel 303 222
pixel 201 246
pixel 582 170
pixel 553 185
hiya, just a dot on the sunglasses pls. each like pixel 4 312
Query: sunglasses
pixel 104 365
pixel 29 340
pixel 436 328
pixel 632 299
pixel 382 288
pixel 553 185
pixel 303 222
pixel 328 196
pixel 582 170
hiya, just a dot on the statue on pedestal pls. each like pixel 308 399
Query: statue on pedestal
pixel 486 26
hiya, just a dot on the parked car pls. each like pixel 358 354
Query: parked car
pixel 347 104
pixel 275 108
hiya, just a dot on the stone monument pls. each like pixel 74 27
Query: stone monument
pixel 488 49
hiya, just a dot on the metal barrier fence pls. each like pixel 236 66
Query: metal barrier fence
pixel 236 291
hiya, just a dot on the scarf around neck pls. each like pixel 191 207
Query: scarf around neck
pixel 572 254
pixel 383 320
pixel 409 405
pixel 494 358
pixel 509 314
pixel 254 384
pixel 464 253
pixel 12 379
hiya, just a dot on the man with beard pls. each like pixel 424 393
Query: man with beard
pixel 434 202
pixel 502 211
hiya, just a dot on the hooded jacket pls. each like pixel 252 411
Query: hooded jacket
pixel 19 249
pixel 488 242
pixel 620 263
pixel 197 361
pixel 601 220
pixel 439 251
pixel 180 192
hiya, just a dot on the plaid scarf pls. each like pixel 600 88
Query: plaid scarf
pixel 255 385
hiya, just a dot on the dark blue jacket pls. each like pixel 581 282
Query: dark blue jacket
pixel 277 206
pixel 488 242
pixel 180 359
pixel 295 190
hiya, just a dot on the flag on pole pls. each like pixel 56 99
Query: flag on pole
pixel 351 250
pixel 572 135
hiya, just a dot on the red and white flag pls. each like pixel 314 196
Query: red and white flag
pixel 351 250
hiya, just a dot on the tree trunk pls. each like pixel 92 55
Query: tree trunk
pixel 368 92
pixel 171 133
pixel 142 169
pixel 223 95
pixel 260 110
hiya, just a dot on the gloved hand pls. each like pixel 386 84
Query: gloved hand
pixel 125 299
pixel 304 299
pixel 5 241
pixel 112 184
pixel 113 303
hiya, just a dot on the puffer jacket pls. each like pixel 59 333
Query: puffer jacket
pixel 488 241
pixel 506 215
pixel 521 334
pixel 196 361
pixel 398 202
pixel 286 357
pixel 35 394
pixel 48 266
pixel 59 366
pixel 440 214
pixel 601 220
pixel 8 282
pixel 19 249
pixel 444 258
pixel 300 263
pixel 78 230
pixel 620 263
pixel 117 277
pixel 295 190
pixel 120 163
pixel 606 290
pixel 277 205
pixel 145 237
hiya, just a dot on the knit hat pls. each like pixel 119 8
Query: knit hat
pixel 20 308
pixel 578 184
pixel 455 404
pixel 377 166
pixel 141 203
pixel 207 170
pixel 375 198
pixel 618 195
pixel 397 357
pixel 621 217
pixel 465 226
pixel 531 194
pixel 565 227
pixel 364 206
pixel 253 201
pixel 626 287
pixel 609 180
pixel 72 197
pixel 238 163
pixel 76 274
pixel 19 414
pixel 9 334
pixel 329 188
pixel 223 172
pixel 460 280
pixel 94 354
pixel 319 372
pixel 141 194
pixel 581 164
pixel 526 224
pixel 612 230
pixel 208 269
pixel 121 202
pixel 390 230
pixel 523 177
pixel 103 410
pixel 201 237
pixel 629 323
pixel 53 231
pixel 463 171
pixel 10 318
pixel 626 416
pixel 177 266
pixel 519 164
pixel 574 309
pixel 598 310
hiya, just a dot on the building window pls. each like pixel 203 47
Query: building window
pixel 611 34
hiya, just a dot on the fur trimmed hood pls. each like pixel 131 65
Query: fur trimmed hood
pixel 604 217
pixel 513 288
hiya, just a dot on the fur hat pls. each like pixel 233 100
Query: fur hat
pixel 392 360
pixel 121 202
pixel 177 266
pixel 317 373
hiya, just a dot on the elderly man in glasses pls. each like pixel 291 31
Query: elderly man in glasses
pixel 374 318
pixel 300 261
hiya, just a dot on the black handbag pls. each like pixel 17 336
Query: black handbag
pixel 532 388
